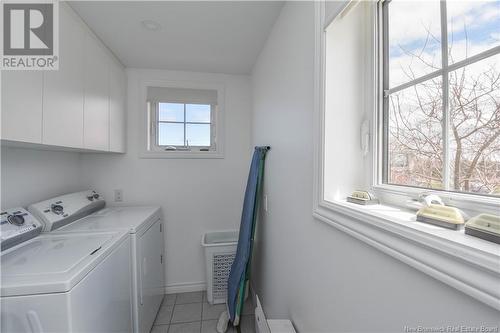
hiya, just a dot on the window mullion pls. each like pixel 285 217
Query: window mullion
pixel 445 94
pixel 156 124
pixel 385 87
pixel 185 144
pixel 212 127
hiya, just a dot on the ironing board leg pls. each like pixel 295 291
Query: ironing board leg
pixel 223 322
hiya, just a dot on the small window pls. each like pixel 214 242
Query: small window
pixel 182 120
pixel 181 126
pixel 441 84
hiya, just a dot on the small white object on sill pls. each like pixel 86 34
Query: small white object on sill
pixel 173 148
pixel 432 199
pixel 363 198
pixel 442 216
pixel 485 226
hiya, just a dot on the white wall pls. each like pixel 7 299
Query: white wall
pixel 196 195
pixel 30 176
pixel 345 102
pixel 319 277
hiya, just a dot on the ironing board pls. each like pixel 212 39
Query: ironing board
pixel 240 269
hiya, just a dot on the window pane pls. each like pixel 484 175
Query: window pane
pixel 473 27
pixel 198 134
pixel 414 40
pixel 415 136
pixel 198 113
pixel 170 134
pixel 171 112
pixel 475 127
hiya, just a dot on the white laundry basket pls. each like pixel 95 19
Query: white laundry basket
pixel 220 250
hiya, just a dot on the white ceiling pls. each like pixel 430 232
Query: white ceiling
pixel 208 36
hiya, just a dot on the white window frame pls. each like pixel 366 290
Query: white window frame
pixel 147 122
pixel 470 265
pixel 400 193
pixel 154 129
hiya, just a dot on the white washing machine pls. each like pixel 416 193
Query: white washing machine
pixel 145 228
pixel 63 282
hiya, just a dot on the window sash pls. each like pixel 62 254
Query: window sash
pixel 155 124
pixel 386 92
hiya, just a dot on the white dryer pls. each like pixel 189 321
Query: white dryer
pixel 145 228
pixel 66 282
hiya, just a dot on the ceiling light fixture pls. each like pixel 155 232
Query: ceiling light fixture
pixel 151 25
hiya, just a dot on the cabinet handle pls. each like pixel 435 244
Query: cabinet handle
pixel 91 253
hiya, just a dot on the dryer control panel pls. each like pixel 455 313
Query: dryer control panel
pixel 59 211
pixel 17 226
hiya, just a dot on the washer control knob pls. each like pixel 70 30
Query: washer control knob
pixel 96 196
pixel 57 209
pixel 15 219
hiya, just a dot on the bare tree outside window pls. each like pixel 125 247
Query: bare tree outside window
pixel 442 95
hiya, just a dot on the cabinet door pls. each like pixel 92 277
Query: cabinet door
pixel 63 89
pixel 151 282
pixel 96 103
pixel 22 106
pixel 117 113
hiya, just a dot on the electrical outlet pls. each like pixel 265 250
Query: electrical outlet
pixel 118 195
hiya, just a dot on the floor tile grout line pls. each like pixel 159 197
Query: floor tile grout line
pixel 188 322
pixel 172 313
pixel 187 303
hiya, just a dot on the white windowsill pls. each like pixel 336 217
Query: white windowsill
pixel 467 263
pixel 181 154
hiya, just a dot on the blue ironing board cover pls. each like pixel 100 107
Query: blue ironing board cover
pixel 240 268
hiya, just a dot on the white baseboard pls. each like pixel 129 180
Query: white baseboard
pixel 185 287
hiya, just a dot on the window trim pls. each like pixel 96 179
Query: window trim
pixel 465 267
pixel 144 110
pixel 385 91
pixel 155 122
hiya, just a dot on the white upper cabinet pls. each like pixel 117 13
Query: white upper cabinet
pixel 81 105
pixel 96 103
pixel 117 88
pixel 63 89
pixel 22 106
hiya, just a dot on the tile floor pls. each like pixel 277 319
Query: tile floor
pixel 191 313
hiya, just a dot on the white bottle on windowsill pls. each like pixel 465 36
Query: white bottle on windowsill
pixel 184 148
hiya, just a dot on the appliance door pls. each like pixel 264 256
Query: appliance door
pixel 52 263
pixel 151 274
pixel 100 302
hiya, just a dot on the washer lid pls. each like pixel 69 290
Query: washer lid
pixel 54 262
pixel 129 218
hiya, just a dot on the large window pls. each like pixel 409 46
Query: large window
pixel 441 95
